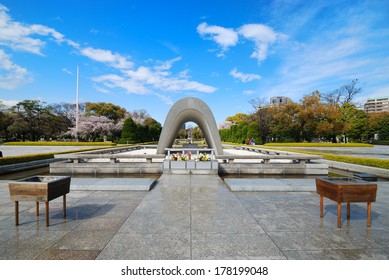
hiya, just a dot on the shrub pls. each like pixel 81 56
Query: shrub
pixel 350 145
pixel 54 143
pixel 373 162
pixel 31 157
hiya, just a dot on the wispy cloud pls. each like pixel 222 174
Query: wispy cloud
pixel 157 79
pixel 260 34
pixel 326 49
pixel 244 77
pixel 146 80
pixel 11 74
pixel 224 37
pixel 19 36
pixel 114 60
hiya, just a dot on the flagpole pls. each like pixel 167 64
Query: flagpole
pixel 77 108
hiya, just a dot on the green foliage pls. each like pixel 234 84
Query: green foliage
pixel 24 158
pixel 109 110
pixel 46 143
pixel 129 132
pixel 253 132
pixel 333 145
pixel 373 162
pixel 236 134
pixel 137 133
pixel 32 157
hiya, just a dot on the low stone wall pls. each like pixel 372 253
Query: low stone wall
pixel 190 167
pixel 301 168
pixel 106 168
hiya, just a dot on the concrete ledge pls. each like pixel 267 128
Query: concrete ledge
pixel 274 168
pixel 355 168
pixel 106 168
pixel 111 184
pixel 271 185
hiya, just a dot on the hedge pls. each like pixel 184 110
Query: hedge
pixel 31 157
pixel 333 145
pixel 373 162
pixel 54 143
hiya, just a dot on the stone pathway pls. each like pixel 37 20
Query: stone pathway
pixel 194 217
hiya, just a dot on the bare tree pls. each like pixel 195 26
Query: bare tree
pixel 261 116
pixel 344 94
pixel 350 90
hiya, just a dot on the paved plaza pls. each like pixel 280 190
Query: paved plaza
pixel 193 217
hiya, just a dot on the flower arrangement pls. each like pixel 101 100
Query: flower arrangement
pixel 181 157
pixel 204 157
pixel 188 156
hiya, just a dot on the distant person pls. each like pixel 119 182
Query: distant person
pixel 252 141
pixel 248 141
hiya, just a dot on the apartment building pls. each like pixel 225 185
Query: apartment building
pixel 278 100
pixel 377 105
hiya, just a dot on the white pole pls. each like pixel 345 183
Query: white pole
pixel 77 109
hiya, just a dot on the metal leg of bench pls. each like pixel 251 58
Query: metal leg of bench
pixel 348 210
pixel 321 206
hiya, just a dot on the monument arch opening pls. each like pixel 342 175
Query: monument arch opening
pixel 185 110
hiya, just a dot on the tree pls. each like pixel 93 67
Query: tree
pixel 154 129
pixel 68 111
pixel 285 125
pixel 129 132
pixel 238 118
pixel 319 119
pixel 383 126
pixel 253 131
pixel 31 117
pixel 344 94
pixel 109 110
pixel 262 116
pixel 90 128
pixel 197 133
pixel 355 123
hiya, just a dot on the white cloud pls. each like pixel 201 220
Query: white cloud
pixel 262 36
pixel 244 77
pixel 166 65
pixel 18 36
pixel 11 74
pixel 249 92
pixel 224 37
pixel 9 103
pixel 148 80
pixel 67 71
pixel 114 60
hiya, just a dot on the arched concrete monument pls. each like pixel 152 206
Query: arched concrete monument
pixel 190 109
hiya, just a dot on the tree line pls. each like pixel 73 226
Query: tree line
pixel 33 120
pixel 330 117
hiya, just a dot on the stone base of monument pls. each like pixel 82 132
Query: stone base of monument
pixel 190 167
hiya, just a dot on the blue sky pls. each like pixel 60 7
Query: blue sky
pixel 146 54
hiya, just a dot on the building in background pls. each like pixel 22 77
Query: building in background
pixel 278 100
pixel 377 105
